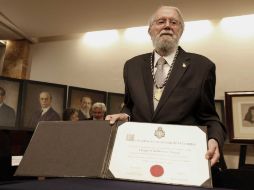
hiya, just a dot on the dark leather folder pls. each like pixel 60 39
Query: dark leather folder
pixel 65 148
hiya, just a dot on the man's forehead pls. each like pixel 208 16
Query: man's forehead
pixel 86 99
pixel 44 95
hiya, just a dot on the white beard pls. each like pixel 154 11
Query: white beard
pixel 165 45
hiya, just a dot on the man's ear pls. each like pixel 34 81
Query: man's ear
pixel 149 30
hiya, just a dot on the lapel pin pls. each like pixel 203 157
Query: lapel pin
pixel 184 65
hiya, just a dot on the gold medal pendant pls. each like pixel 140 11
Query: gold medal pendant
pixel 158 93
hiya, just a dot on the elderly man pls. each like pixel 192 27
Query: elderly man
pixel 98 111
pixel 7 114
pixel 46 112
pixel 170 85
pixel 85 108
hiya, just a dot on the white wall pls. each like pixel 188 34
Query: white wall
pixel 75 63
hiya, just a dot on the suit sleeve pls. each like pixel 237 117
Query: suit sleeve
pixel 207 114
pixel 128 103
pixel 12 117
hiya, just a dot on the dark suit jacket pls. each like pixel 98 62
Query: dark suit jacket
pixel 50 115
pixel 7 116
pixel 188 96
pixel 81 116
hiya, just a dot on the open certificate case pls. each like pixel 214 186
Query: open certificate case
pixel 157 153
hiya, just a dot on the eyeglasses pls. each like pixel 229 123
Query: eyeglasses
pixel 163 22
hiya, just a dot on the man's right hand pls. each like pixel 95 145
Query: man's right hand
pixel 117 117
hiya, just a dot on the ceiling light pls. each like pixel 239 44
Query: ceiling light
pixel 101 38
pixel 196 30
pixel 240 26
pixel 137 34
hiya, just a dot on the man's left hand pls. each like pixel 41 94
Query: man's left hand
pixel 213 152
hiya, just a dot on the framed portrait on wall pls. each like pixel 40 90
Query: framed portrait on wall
pixel 2 54
pixel 219 106
pixel 10 100
pixel 115 102
pixel 240 116
pixel 42 102
pixel 82 99
pixel 220 109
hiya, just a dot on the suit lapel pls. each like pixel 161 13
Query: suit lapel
pixel 180 67
pixel 148 81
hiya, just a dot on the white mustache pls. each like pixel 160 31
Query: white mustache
pixel 166 32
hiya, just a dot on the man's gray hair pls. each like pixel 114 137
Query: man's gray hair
pixel 152 18
pixel 46 92
pixel 99 105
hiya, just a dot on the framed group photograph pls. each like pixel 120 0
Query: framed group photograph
pixel 115 102
pixel 10 100
pixel 240 116
pixel 82 99
pixel 42 102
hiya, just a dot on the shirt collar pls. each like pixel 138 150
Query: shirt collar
pixel 44 110
pixel 168 58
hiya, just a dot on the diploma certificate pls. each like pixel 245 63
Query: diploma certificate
pixel 161 153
